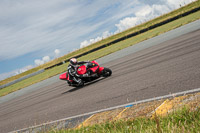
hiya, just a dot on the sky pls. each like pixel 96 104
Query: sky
pixel 35 32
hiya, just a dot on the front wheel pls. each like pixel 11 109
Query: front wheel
pixel 106 72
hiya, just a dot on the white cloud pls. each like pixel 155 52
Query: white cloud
pixel 144 14
pixel 144 11
pixel 106 34
pixel 84 44
pixel 42 61
pixel 126 23
pixel 46 59
pixel 38 62
pixel 57 53
pixel 24 69
pixel 93 40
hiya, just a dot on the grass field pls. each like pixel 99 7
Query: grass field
pixel 105 51
pixel 181 121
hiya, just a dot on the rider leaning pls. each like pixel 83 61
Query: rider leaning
pixel 72 69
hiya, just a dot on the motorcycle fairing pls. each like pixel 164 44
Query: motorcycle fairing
pixel 94 69
pixel 81 70
pixel 64 76
pixel 100 69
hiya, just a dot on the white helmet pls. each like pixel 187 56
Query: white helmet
pixel 73 61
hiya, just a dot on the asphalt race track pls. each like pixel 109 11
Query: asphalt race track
pixel 172 66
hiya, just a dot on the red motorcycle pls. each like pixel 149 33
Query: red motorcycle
pixel 95 70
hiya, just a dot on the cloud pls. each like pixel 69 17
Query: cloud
pixel 84 44
pixel 106 34
pixel 93 40
pixel 145 13
pixel 126 23
pixel 38 62
pixel 57 53
pixel 42 61
pixel 46 58
pixel 24 69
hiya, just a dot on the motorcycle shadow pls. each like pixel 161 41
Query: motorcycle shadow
pixel 87 84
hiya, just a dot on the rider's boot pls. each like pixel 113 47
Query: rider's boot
pixel 78 81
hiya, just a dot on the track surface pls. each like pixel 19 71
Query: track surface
pixel 170 67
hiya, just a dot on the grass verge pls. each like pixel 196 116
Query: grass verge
pixel 183 120
pixel 102 52
pixel 109 39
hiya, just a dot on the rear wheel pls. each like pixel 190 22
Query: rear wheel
pixel 106 72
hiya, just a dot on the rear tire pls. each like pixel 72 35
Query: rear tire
pixel 106 72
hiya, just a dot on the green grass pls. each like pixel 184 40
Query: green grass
pixel 184 120
pixel 107 40
pixel 102 52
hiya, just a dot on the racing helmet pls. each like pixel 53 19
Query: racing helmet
pixel 73 61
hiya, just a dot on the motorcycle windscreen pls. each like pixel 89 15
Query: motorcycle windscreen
pixel 95 62
pixel 81 70
pixel 63 76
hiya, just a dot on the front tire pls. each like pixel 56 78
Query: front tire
pixel 106 72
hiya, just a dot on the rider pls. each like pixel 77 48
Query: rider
pixel 72 69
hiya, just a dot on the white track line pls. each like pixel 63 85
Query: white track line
pixel 115 107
